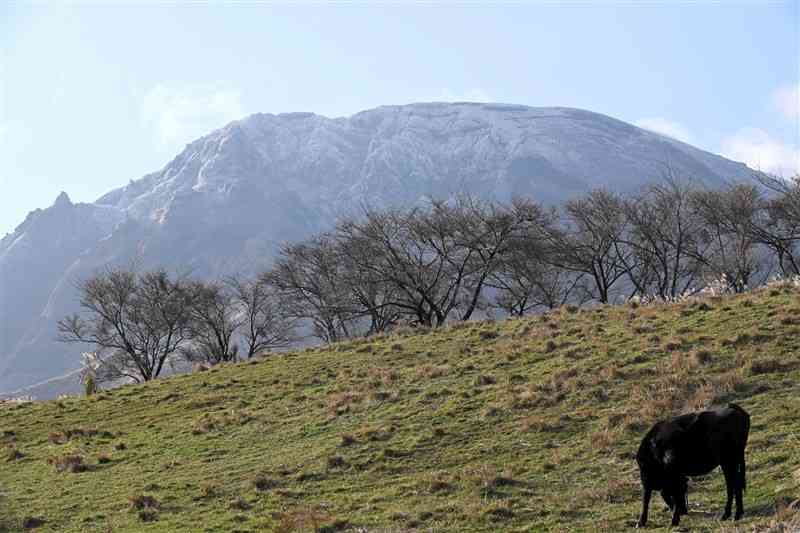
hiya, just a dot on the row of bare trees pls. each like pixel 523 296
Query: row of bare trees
pixel 138 322
pixel 448 261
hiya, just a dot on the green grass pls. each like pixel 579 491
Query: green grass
pixel 519 425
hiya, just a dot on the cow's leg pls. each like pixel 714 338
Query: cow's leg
pixel 729 470
pixel 683 500
pixel 676 516
pixel 679 493
pixel 665 494
pixel 646 493
pixel 740 484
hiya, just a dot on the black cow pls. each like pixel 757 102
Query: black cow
pixel 694 445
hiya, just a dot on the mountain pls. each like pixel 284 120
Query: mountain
pixel 227 200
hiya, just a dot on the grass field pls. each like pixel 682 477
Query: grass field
pixel 517 425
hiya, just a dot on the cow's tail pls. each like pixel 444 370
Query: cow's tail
pixel 741 468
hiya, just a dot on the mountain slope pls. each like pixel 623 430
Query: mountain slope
pixel 227 199
pixel 521 425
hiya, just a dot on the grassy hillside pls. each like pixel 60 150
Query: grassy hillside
pixel 520 425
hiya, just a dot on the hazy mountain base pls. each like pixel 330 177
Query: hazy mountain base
pixel 222 204
pixel 520 425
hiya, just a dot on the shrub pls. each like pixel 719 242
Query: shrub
pixel 764 366
pixel 89 385
pixel 240 504
pixel 32 522
pixel 336 461
pixel 484 379
pixel 486 335
pixel 12 454
pixel 701 357
pixel 262 482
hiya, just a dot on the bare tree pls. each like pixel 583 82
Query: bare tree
pixel 525 282
pixel 264 323
pixel 491 232
pixel 788 194
pixel 386 248
pixel 417 254
pixel 372 297
pixel 777 224
pixel 590 241
pixel 136 321
pixel 732 253
pixel 214 321
pixel 310 283
pixel 664 238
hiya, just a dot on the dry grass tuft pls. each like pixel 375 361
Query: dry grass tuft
pixel 342 402
pixel 308 519
pixel 613 491
pixel 240 504
pixel 57 437
pixel 604 439
pixel 139 502
pixel 768 365
pixel 439 482
pixel 68 463
pixel 382 377
pixel 429 371
pixel 375 434
pixel 540 424
pixel 209 489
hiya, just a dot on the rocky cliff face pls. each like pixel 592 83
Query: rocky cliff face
pixel 227 200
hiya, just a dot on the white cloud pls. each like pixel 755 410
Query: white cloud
pixel 180 114
pixel 787 100
pixel 666 127
pixel 755 147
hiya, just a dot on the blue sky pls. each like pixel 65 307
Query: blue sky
pixel 93 95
